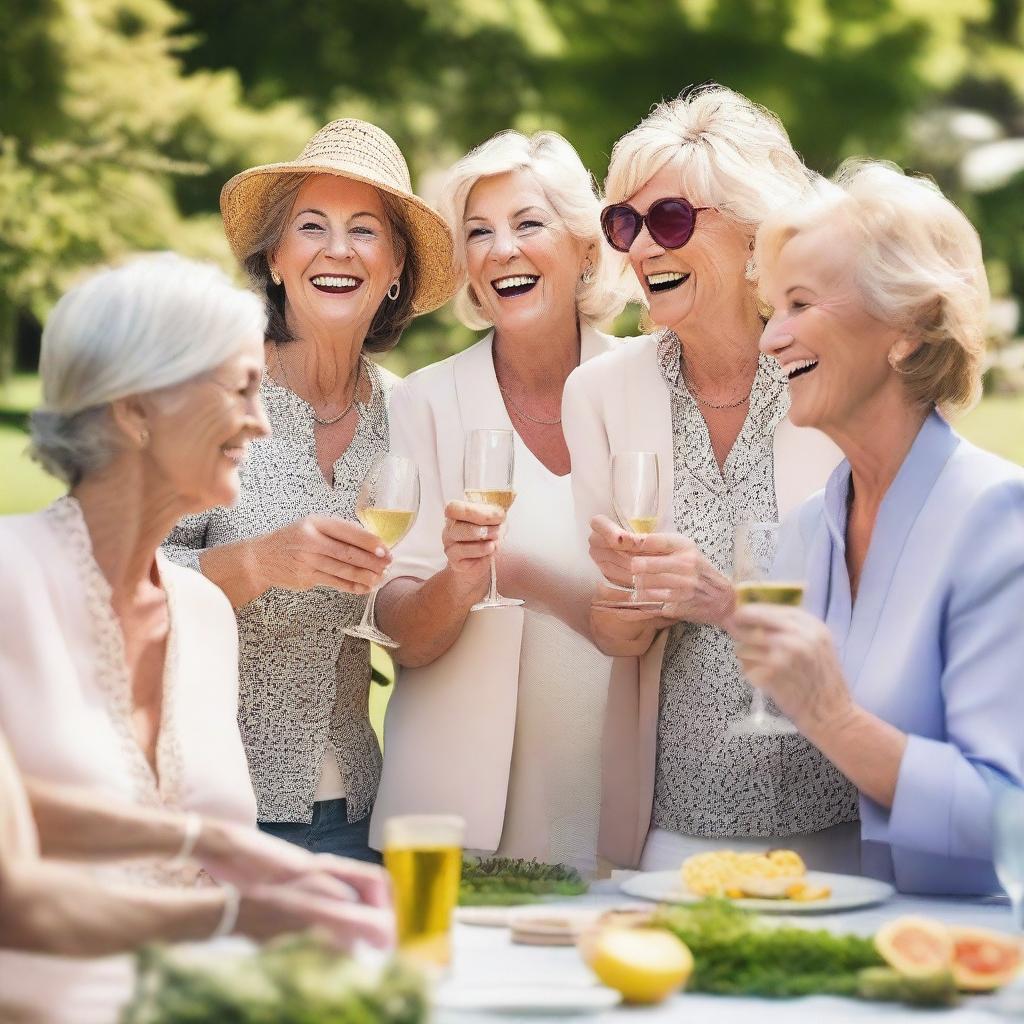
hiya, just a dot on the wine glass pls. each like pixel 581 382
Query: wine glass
pixel 488 475
pixel 635 499
pixel 1008 849
pixel 387 505
pixel 754 547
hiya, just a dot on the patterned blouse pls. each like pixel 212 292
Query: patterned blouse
pixel 707 783
pixel 302 682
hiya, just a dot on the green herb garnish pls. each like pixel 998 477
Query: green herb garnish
pixel 507 881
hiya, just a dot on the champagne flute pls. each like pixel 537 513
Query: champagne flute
pixel 754 547
pixel 488 478
pixel 387 505
pixel 636 495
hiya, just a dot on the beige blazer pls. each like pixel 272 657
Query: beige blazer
pixel 450 725
pixel 620 403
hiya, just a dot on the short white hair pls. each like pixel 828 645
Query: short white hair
pixel 917 263
pixel 572 192
pixel 732 154
pixel 154 322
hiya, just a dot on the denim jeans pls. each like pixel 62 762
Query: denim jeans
pixel 328 832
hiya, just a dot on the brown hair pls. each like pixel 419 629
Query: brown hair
pixel 391 318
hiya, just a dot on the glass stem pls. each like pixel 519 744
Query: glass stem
pixel 368 621
pixel 635 593
pixel 1017 908
pixel 492 595
pixel 757 706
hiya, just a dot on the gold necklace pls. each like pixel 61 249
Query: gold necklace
pixel 334 419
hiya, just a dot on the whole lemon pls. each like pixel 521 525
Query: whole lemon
pixel 645 964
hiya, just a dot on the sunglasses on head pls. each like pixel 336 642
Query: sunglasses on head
pixel 670 223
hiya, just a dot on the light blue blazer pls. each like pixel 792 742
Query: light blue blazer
pixel 933 644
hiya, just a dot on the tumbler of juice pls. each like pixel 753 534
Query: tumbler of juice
pixel 423 855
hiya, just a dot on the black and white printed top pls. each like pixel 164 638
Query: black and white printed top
pixel 707 783
pixel 302 682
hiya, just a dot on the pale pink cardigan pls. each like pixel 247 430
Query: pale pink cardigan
pixel 620 402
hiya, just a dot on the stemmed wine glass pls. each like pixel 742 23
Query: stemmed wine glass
pixel 387 505
pixel 488 478
pixel 636 489
pixel 754 548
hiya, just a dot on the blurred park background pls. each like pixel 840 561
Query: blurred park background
pixel 120 120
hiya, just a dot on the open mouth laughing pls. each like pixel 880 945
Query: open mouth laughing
pixel 519 284
pixel 800 368
pixel 335 285
pixel 666 281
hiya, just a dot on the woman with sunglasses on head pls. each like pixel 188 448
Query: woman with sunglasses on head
pixel 686 191
pixel 497 713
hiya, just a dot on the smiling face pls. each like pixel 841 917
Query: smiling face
pixel 834 351
pixel 522 262
pixel 199 430
pixel 692 282
pixel 336 256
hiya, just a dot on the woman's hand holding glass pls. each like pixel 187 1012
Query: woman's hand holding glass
pixel 318 551
pixel 789 655
pixel 470 538
pixel 670 570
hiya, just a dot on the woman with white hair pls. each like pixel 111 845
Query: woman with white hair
pixel 119 669
pixel 904 665
pixel 525 774
pixel 686 191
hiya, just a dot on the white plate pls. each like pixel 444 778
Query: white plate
pixel 848 892
pixel 548 1000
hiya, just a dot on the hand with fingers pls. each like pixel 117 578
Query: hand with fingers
pixel 246 857
pixel 669 568
pixel 790 655
pixel 470 537
pixel 320 551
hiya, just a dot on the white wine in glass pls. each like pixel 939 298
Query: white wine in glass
pixel 636 497
pixel 387 505
pixel 489 479
pixel 754 548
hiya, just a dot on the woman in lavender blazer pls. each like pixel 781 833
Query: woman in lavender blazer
pixel 909 679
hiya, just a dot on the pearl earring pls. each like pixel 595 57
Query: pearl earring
pixel 587 277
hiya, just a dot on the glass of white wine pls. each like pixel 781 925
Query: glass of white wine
pixel 636 496
pixel 387 505
pixel 754 548
pixel 489 479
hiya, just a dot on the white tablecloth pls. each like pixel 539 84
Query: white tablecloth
pixel 487 956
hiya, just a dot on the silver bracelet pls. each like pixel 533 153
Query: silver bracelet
pixel 229 918
pixel 193 828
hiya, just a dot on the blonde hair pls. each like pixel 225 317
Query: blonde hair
pixel 572 192
pixel 157 321
pixel 732 154
pixel 917 264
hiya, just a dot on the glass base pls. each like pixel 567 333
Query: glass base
pixel 627 605
pixel 761 725
pixel 373 635
pixel 498 602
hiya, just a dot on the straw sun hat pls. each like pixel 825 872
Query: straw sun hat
pixel 363 152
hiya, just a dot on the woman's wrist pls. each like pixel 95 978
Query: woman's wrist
pixel 464 590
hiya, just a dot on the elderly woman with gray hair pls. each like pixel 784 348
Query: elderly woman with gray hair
pixel 118 669
pixel 498 712
pixel 344 256
pixel 904 666
pixel 686 191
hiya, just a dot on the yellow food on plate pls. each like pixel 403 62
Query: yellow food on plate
pixel 778 874
pixel 646 965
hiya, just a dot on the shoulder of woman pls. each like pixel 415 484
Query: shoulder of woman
pixel 985 486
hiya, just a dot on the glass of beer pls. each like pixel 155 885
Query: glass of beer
pixel 754 548
pixel 423 855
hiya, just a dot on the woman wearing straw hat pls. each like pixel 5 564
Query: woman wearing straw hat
pixel 526 774
pixel 345 256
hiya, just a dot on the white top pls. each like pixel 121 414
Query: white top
pixel 65 707
pixel 553 786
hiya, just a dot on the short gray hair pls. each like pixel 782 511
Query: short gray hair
pixel 572 192
pixel 152 323
pixel 917 264
pixel 733 154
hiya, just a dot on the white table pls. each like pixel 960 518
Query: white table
pixel 487 956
